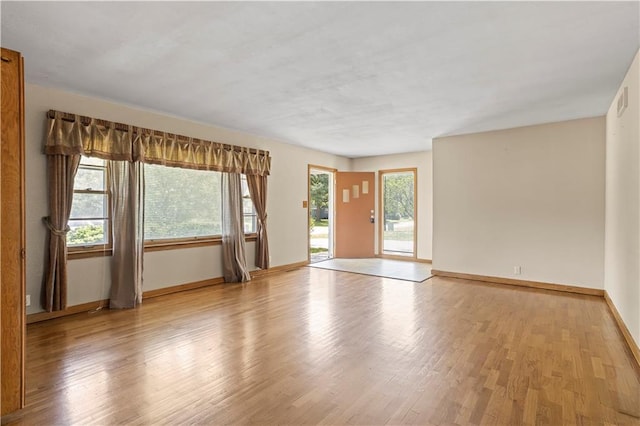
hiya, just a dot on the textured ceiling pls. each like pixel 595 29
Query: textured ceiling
pixel 353 78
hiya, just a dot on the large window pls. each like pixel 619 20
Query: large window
pixel 186 204
pixel 180 204
pixel 89 220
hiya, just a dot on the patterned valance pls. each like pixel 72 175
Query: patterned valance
pixel 70 134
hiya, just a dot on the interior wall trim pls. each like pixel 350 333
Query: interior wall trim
pixel 403 258
pixel 70 310
pixel 149 294
pixel 99 304
pixel 259 273
pixel 521 283
pixel 631 343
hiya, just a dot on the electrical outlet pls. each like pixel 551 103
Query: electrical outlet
pixel 28 300
pixel 517 270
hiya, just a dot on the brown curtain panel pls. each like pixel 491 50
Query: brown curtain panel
pixel 61 170
pixel 127 216
pixel 258 191
pixel 234 261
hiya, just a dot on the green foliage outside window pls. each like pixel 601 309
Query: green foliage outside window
pixel 398 196
pixel 89 216
pixel 83 235
pixel 181 203
pixel 319 191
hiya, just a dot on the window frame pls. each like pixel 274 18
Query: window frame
pixel 193 242
pixel 381 187
pixel 94 250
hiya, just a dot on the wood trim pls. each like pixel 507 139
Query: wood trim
pixel 174 244
pixel 521 283
pixel 396 257
pixel 70 310
pixel 99 304
pixel 86 254
pixel 260 273
pixel 218 280
pixel 182 287
pixel 631 343
pixel 381 212
pixel 316 167
pixel 23 281
pixel 403 258
pixel 150 246
pixel 380 217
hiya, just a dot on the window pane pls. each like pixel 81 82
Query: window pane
pixel 181 203
pixel 245 187
pixel 249 224
pixel 89 206
pixel 87 232
pixel 247 206
pixel 89 178
pixel 92 161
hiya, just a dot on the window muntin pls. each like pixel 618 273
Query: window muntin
pixel 89 221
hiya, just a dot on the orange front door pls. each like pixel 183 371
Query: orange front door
pixel 354 200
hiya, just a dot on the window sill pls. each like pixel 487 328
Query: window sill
pixel 155 245
pixel 160 245
pixel 85 253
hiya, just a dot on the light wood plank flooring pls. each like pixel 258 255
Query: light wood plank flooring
pixel 319 346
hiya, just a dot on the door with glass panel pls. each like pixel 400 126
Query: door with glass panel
pixel 398 203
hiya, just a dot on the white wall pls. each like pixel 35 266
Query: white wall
pixel 622 229
pixel 531 197
pixel 89 278
pixel 423 162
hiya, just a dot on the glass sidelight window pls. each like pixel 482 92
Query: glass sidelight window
pixel 398 204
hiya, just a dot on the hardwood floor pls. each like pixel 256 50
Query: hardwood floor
pixel 319 346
